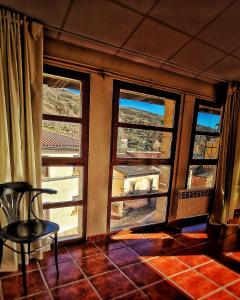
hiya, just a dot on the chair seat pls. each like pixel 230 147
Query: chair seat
pixel 29 231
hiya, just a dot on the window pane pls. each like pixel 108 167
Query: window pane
pixel 69 219
pixel 137 108
pixel 138 143
pixel 201 176
pixel 206 147
pixel 140 180
pixel 67 180
pixel 61 96
pixel 208 119
pixel 134 213
pixel 61 139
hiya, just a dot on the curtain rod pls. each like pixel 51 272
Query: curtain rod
pixel 79 36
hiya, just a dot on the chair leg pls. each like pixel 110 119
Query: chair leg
pixel 24 278
pixel 29 248
pixel 56 251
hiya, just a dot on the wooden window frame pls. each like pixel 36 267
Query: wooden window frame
pixel 114 160
pixel 194 132
pixel 81 161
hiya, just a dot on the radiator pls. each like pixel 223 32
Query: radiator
pixel 192 202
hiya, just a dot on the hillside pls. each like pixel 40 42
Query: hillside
pixel 135 116
pixel 60 101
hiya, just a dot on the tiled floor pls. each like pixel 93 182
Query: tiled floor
pixel 161 265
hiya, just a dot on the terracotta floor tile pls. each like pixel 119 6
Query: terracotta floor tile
pixel 231 243
pixel 112 284
pixel 80 290
pixel 30 267
pixel 168 265
pixel 134 296
pixel 218 273
pixel 12 287
pixel 68 272
pixel 235 256
pixel 191 258
pixel 235 289
pixel 132 243
pixel 165 290
pixel 132 238
pixel 194 283
pixel 95 264
pixel 189 239
pixel 41 296
pixel 170 244
pixel 49 257
pixel 202 235
pixel 110 244
pixel 123 257
pixel 221 295
pixel 149 249
pixel 142 274
pixel 83 250
pixel 155 235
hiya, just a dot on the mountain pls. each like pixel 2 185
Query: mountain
pixel 60 101
pixel 136 116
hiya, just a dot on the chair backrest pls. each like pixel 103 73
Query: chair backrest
pixel 11 194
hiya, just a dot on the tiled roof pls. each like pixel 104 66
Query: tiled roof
pixel 137 170
pixel 57 141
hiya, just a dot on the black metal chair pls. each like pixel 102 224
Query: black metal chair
pixel 25 232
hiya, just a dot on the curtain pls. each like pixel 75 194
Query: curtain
pixel 21 68
pixel 228 167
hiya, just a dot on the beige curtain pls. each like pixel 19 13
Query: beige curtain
pixel 228 167
pixel 21 67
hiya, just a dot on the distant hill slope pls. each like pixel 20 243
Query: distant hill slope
pixel 136 116
pixel 59 101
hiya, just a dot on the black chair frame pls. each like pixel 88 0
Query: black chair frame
pixel 11 197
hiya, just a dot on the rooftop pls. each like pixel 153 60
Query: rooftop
pixel 57 141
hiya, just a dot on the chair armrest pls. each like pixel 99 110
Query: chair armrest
pixel 44 191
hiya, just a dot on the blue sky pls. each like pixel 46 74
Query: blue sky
pixel 144 106
pixel 209 120
pixel 77 92
pixel 205 119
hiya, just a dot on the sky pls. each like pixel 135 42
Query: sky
pixel 204 119
pixel 77 92
pixel 209 120
pixel 144 106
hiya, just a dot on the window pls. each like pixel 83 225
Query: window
pixel 143 143
pixel 204 146
pixel 64 149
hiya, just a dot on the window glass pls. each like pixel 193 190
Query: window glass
pixel 140 179
pixel 208 119
pixel 69 219
pixel 206 147
pixel 137 108
pixel 201 176
pixel 61 96
pixel 67 180
pixel 61 139
pixel 138 143
pixel 134 213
